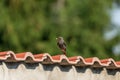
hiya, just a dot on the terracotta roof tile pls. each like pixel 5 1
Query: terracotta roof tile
pixel 45 58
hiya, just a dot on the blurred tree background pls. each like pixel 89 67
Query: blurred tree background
pixel 33 25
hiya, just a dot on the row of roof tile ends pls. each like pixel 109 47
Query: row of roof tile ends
pixel 45 58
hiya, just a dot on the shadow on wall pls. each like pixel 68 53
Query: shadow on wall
pixel 62 68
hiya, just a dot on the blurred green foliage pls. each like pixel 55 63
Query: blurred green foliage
pixel 33 25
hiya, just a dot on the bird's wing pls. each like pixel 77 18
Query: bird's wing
pixel 64 45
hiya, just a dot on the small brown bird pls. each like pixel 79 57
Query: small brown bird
pixel 61 44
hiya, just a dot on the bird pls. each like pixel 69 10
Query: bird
pixel 61 44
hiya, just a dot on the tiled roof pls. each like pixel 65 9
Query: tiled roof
pixel 45 58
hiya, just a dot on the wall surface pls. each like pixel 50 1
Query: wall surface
pixel 38 71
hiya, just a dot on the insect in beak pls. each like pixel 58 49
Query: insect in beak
pixel 56 38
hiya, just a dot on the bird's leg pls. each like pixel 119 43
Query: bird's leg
pixel 64 52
